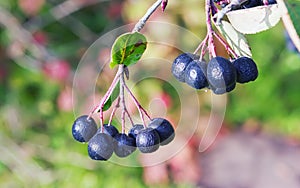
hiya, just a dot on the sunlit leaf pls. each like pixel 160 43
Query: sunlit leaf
pixel 107 104
pixel 256 19
pixel 235 39
pixel 114 95
pixel 128 49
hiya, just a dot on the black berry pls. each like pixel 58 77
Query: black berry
pixel 221 74
pixel 109 129
pixel 124 145
pixel 147 140
pixel 251 3
pixel 179 65
pixel 101 147
pixel 220 91
pixel 135 130
pixel 268 2
pixel 246 69
pixel 164 129
pixel 84 128
pixel 195 74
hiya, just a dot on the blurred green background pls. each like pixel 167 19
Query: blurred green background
pixel 41 44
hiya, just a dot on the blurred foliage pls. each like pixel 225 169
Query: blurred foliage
pixel 37 148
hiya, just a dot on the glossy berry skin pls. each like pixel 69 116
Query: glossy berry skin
pixel 147 140
pixel 268 2
pixel 220 91
pixel 164 129
pixel 180 64
pixel 84 128
pixel 221 74
pixel 195 74
pixel 101 147
pixel 109 129
pixel 246 69
pixel 133 132
pixel 124 145
pixel 251 3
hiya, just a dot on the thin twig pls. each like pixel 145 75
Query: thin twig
pixel 114 111
pixel 201 44
pixel 122 97
pixel 106 96
pixel 144 19
pixel 211 45
pixel 224 43
pixel 141 110
pixel 129 117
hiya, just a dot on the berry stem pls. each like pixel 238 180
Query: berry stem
pixel 141 110
pixel 144 19
pixel 129 117
pixel 203 48
pixel 99 107
pixel 122 97
pixel 114 111
pixel 225 44
pixel 203 43
pixel 210 31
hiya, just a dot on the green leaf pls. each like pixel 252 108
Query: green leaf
pixel 128 49
pixel 235 39
pixel 256 19
pixel 114 95
pixel 107 105
pixel 116 92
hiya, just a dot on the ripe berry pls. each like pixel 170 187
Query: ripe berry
pixel 124 145
pixel 101 147
pixel 179 65
pixel 164 129
pixel 251 3
pixel 221 74
pixel 220 91
pixel 109 129
pixel 147 140
pixel 135 130
pixel 246 69
pixel 268 2
pixel 195 74
pixel 84 128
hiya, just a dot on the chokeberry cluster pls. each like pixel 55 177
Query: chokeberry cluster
pixel 219 74
pixel 106 140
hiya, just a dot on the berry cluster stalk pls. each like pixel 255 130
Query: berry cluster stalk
pixel 210 31
pixel 208 43
pixel 139 26
pixel 119 78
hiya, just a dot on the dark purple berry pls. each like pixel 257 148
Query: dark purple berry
pixel 195 74
pixel 124 145
pixel 84 128
pixel 246 69
pixel 109 129
pixel 251 3
pixel 221 74
pixel 179 65
pixel 220 91
pixel 164 129
pixel 135 130
pixel 268 2
pixel 100 147
pixel 147 140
